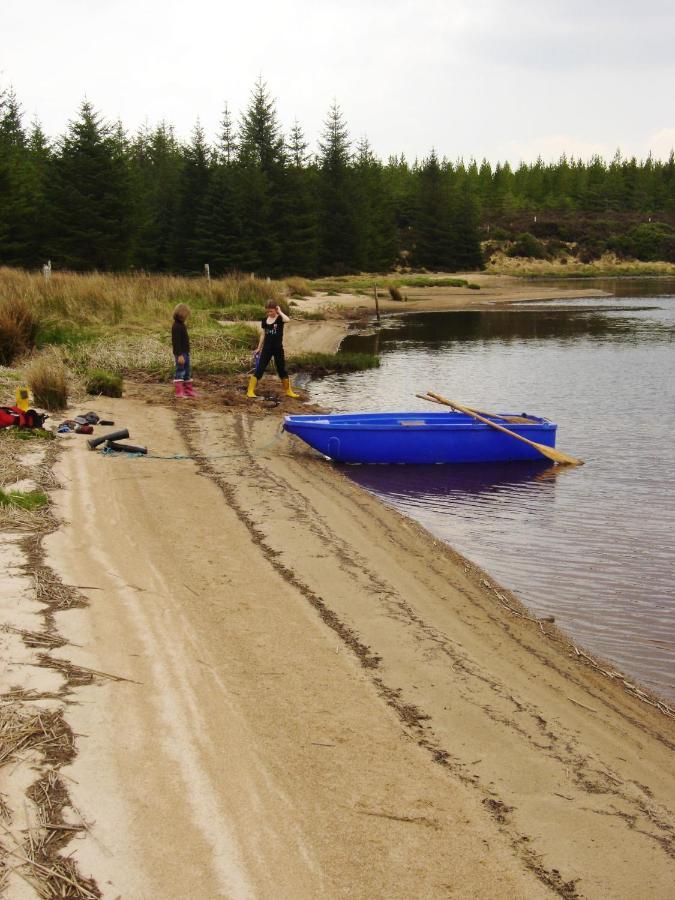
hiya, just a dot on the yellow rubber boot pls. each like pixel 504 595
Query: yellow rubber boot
pixel 288 389
pixel 252 381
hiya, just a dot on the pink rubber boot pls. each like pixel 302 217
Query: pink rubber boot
pixel 180 389
pixel 189 390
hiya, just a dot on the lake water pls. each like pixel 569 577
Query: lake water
pixel 592 546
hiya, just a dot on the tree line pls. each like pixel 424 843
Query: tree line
pixel 258 201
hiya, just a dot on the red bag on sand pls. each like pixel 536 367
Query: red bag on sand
pixel 15 417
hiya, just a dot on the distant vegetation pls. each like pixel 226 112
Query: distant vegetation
pixel 98 198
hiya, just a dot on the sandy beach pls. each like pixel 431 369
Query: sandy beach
pixel 299 693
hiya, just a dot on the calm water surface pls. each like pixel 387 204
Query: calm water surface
pixel 593 546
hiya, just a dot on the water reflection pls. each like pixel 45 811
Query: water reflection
pixel 514 324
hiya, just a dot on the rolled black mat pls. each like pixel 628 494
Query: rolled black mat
pixel 113 436
pixel 125 448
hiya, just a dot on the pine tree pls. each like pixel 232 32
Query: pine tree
pixel 156 166
pixel 338 250
pixel 465 247
pixel 375 213
pixel 300 240
pixel 258 185
pixel 15 198
pixel 89 197
pixel 38 167
pixel 188 255
pixel 433 225
pixel 226 147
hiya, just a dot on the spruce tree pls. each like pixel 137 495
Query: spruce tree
pixel 300 239
pixel 156 167
pixel 375 213
pixel 258 185
pixel 89 197
pixel 188 255
pixel 338 249
pixel 218 232
pixel 15 197
pixel 432 222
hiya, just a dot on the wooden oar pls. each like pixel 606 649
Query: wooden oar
pixel 515 420
pixel 556 455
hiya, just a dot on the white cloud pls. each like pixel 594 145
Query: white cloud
pixel 493 78
pixel 661 143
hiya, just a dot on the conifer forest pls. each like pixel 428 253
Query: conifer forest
pixel 261 200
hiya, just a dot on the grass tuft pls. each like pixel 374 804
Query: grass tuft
pixel 28 500
pixel 46 376
pixel 327 363
pixel 104 384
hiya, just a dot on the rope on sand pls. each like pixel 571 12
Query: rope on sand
pixel 109 452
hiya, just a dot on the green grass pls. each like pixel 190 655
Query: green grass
pixel 363 284
pixel 27 434
pixel 63 334
pixel 28 500
pixel 617 271
pixel 328 363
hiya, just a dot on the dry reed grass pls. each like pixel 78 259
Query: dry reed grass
pixel 608 265
pixel 299 287
pixel 33 852
pixel 18 328
pixel 139 299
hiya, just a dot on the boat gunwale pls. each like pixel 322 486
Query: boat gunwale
pixel 395 422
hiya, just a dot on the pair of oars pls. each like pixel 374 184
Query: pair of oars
pixel 557 456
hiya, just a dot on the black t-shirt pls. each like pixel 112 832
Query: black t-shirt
pixel 274 332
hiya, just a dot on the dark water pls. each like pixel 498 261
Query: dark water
pixel 593 546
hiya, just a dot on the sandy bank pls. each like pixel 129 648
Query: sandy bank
pixel 495 290
pixel 322 699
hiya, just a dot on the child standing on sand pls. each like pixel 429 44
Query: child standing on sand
pixel 271 344
pixel 180 340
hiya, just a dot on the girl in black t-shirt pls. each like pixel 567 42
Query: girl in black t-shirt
pixel 271 344
pixel 180 341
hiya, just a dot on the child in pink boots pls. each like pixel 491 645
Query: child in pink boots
pixel 180 339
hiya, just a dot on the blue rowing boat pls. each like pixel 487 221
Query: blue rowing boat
pixel 420 437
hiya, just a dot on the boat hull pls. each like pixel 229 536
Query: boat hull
pixel 419 438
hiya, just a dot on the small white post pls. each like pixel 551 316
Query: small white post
pixel 47 270
pixel 207 271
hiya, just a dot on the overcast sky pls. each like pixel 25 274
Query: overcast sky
pixel 502 79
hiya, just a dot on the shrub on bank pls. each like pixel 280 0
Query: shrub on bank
pixel 104 384
pixel 649 242
pixel 527 245
pixel 18 329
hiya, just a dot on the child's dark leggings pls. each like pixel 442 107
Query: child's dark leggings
pixel 266 355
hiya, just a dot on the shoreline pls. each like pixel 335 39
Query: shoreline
pixel 308 694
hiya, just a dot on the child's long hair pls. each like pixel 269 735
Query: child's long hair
pixel 181 312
